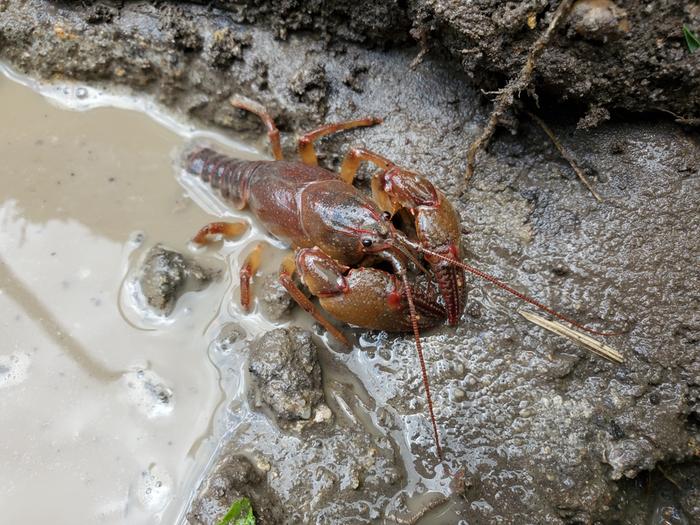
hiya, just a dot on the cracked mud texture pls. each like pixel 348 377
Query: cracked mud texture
pixel 286 373
pixel 165 275
pixel 545 432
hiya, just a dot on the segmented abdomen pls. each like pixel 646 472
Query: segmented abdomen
pixel 228 175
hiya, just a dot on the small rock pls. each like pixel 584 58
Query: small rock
pixel 629 456
pixel 598 20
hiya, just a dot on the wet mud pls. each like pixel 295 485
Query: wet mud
pixel 606 56
pixel 543 431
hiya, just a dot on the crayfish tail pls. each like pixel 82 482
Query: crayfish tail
pixel 226 174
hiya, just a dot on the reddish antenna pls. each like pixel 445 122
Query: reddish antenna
pixel 419 348
pixel 509 289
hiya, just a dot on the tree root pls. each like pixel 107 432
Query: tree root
pixel 565 154
pixel 506 96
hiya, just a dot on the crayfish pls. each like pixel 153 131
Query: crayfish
pixel 349 252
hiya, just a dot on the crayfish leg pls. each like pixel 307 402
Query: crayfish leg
pixel 257 109
pixel 287 270
pixel 355 157
pixel 227 230
pixel 250 267
pixel 306 141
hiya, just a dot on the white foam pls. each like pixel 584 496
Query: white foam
pixel 13 369
pixel 148 392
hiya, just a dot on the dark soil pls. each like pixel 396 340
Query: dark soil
pixel 543 431
pixel 627 55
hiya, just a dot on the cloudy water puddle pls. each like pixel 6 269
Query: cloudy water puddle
pixel 110 412
pixel 102 418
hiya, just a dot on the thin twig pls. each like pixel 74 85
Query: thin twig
pixel 565 153
pixel 412 520
pixel 506 96
pixel 688 121
pixel 591 344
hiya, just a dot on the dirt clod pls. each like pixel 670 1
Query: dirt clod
pixel 165 274
pixel 232 478
pixel 286 373
pixel 273 298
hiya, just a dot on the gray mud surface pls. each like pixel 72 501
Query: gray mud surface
pixel 543 431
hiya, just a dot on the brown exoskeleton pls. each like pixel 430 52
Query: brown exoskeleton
pixel 341 235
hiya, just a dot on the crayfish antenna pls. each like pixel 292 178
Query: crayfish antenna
pixel 493 280
pixel 419 348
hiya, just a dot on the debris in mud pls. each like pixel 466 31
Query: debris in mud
pixel 234 477
pixel 149 393
pixel 286 373
pixel 310 87
pixel 181 29
pixel 274 300
pixel 231 336
pixel 166 274
pixel 226 46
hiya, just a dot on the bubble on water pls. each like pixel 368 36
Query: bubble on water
pixel 13 369
pixel 154 488
pixel 81 92
pixel 148 392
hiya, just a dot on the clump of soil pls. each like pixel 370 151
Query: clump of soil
pixel 616 55
pixel 286 373
pixel 274 300
pixel 232 478
pixel 607 55
pixel 165 274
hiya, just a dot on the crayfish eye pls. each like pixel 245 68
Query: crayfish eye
pixel 366 242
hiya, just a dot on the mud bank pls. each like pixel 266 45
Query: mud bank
pixel 605 56
pixel 544 432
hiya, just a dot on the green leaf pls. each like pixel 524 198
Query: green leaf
pixel 240 513
pixel 691 39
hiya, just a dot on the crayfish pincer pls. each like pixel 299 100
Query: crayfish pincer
pixel 363 269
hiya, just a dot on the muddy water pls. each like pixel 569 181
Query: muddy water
pixel 103 419
pixel 110 412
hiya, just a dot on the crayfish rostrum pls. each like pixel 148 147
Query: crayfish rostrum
pixel 349 252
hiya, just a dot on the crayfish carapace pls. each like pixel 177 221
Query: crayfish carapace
pixel 346 241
